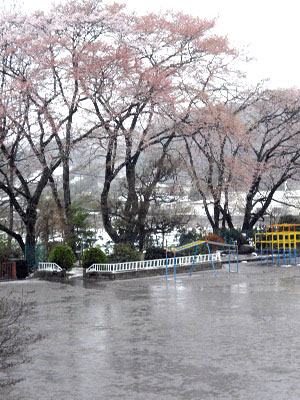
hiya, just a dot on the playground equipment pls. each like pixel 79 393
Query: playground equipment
pixel 279 236
pixel 279 257
pixel 279 241
pixel 196 245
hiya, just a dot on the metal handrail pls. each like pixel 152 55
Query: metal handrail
pixel 47 266
pixel 154 264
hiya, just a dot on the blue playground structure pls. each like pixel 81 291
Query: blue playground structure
pixel 196 245
pixel 279 257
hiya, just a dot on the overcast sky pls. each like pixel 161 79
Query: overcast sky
pixel 268 29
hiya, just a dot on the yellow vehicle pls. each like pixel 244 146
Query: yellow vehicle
pixel 278 236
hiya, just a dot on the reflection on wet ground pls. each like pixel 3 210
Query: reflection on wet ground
pixel 235 336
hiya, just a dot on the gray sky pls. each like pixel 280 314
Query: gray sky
pixel 268 29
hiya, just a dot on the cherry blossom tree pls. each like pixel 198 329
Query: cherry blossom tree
pixel 142 84
pixel 212 154
pixel 26 164
pixel 66 32
pixel 158 210
pixel 273 130
pixel 28 160
pixel 238 156
pixel 41 54
pixel 92 69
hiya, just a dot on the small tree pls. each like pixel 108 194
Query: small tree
pixel 123 252
pixel 189 235
pixel 84 235
pixel 235 236
pixel 154 253
pixel 93 255
pixel 63 256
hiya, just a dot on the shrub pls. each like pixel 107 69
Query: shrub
pixel 7 252
pixel 289 219
pixel 235 236
pixel 63 256
pixel 123 252
pixel 154 253
pixel 189 236
pixel 93 255
pixel 214 238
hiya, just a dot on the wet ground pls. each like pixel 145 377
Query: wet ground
pixel 236 336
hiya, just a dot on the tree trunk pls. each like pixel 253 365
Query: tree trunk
pixel 11 208
pixel 105 212
pixel 216 225
pixel 30 242
pixel 70 232
pixel 59 206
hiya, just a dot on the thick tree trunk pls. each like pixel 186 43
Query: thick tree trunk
pixel 59 206
pixel 143 212
pixel 11 208
pixel 105 212
pixel 216 225
pixel 30 242
pixel 70 236
pixel 131 206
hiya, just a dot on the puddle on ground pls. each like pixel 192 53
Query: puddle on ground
pixel 234 336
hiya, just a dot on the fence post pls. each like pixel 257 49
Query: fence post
pixel 193 262
pixel 175 265
pixel 13 270
pixel 166 264
pixel 212 261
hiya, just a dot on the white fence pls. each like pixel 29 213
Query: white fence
pixel 154 264
pixel 47 266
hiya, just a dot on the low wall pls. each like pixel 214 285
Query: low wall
pixel 44 274
pixel 150 272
